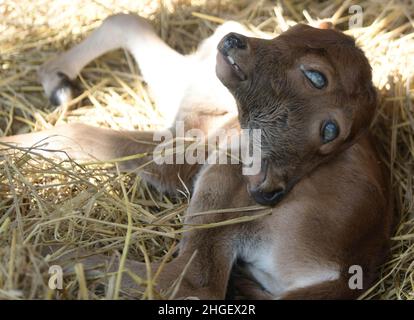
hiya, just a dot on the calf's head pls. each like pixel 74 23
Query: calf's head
pixel 309 91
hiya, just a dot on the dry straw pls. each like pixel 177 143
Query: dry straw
pixel 93 207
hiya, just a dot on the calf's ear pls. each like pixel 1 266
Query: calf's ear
pixel 325 25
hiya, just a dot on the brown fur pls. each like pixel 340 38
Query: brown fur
pixel 335 211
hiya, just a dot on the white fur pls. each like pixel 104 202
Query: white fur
pixel 318 275
pixel 263 266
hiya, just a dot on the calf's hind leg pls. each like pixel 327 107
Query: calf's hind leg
pixel 206 255
pixel 160 65
pixel 87 143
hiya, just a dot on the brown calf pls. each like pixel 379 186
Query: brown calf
pixel 310 93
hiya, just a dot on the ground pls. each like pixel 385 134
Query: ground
pixel 43 202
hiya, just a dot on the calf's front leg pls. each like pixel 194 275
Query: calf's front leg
pixel 206 255
pixel 200 271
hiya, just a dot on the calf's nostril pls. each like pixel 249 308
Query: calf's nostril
pixel 267 198
pixel 234 41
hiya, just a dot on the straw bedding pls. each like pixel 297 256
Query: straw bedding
pixel 94 207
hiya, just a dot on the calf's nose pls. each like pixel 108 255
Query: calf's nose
pixel 234 41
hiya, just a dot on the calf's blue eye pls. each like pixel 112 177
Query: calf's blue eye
pixel 317 78
pixel 330 131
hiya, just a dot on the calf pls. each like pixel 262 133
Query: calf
pixel 320 186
